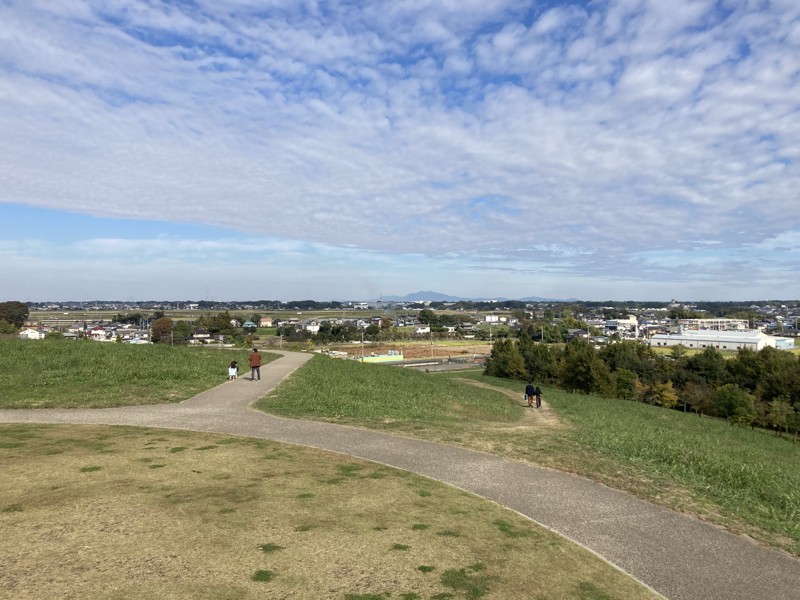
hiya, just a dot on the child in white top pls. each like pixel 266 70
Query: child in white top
pixel 233 371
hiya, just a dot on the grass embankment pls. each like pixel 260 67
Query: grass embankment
pixel 114 512
pixel 79 373
pixel 746 480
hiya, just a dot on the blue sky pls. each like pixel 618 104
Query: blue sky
pixel 288 149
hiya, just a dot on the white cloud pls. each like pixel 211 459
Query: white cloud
pixel 615 129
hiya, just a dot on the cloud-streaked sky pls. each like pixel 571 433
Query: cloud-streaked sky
pixel 288 149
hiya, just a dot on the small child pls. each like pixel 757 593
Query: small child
pixel 233 371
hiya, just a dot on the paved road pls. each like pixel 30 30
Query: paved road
pixel 678 556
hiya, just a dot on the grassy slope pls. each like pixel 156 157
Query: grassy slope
pixel 66 373
pixel 746 480
pixel 346 391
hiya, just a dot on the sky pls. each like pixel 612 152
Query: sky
pixel 298 149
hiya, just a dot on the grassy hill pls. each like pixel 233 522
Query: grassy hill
pixel 748 481
pixel 80 373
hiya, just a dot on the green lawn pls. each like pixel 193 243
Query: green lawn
pixel 746 480
pixel 80 373
pixel 344 390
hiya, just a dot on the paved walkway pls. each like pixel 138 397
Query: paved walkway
pixel 678 556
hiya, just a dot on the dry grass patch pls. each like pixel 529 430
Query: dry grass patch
pixel 247 518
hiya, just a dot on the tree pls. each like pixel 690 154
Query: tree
pixel 664 395
pixel 779 414
pixel 581 369
pixel 427 317
pixel 624 382
pixel 678 352
pixel 14 312
pixel 540 359
pixel 709 365
pixel 735 404
pixel 181 330
pixel 632 356
pixel 697 395
pixel 778 375
pixel 161 330
pixel 6 327
pixel 744 369
pixel 505 361
pixel 128 317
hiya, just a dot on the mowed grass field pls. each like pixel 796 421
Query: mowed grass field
pixel 80 373
pixel 96 512
pixel 748 481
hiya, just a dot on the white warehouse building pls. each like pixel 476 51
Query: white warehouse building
pixel 721 340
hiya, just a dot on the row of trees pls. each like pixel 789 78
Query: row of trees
pixel 751 388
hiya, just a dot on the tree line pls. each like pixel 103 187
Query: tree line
pixel 751 388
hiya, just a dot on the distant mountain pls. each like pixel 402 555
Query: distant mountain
pixel 423 296
pixel 430 296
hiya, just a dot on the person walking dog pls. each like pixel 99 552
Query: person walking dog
pixel 255 365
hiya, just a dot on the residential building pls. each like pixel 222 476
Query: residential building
pixel 31 334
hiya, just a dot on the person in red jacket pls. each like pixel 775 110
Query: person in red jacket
pixel 255 365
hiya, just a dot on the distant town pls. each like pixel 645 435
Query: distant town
pixel 723 325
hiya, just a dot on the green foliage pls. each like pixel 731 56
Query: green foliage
pixel 14 312
pixel 631 356
pixel 219 324
pixel 129 318
pixel 6 327
pixel 540 359
pixel 505 360
pixel 780 414
pixel 582 370
pixel 181 331
pixel 735 404
pixel 709 365
pixel 624 384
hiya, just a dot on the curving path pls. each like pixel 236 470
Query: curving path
pixel 678 556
